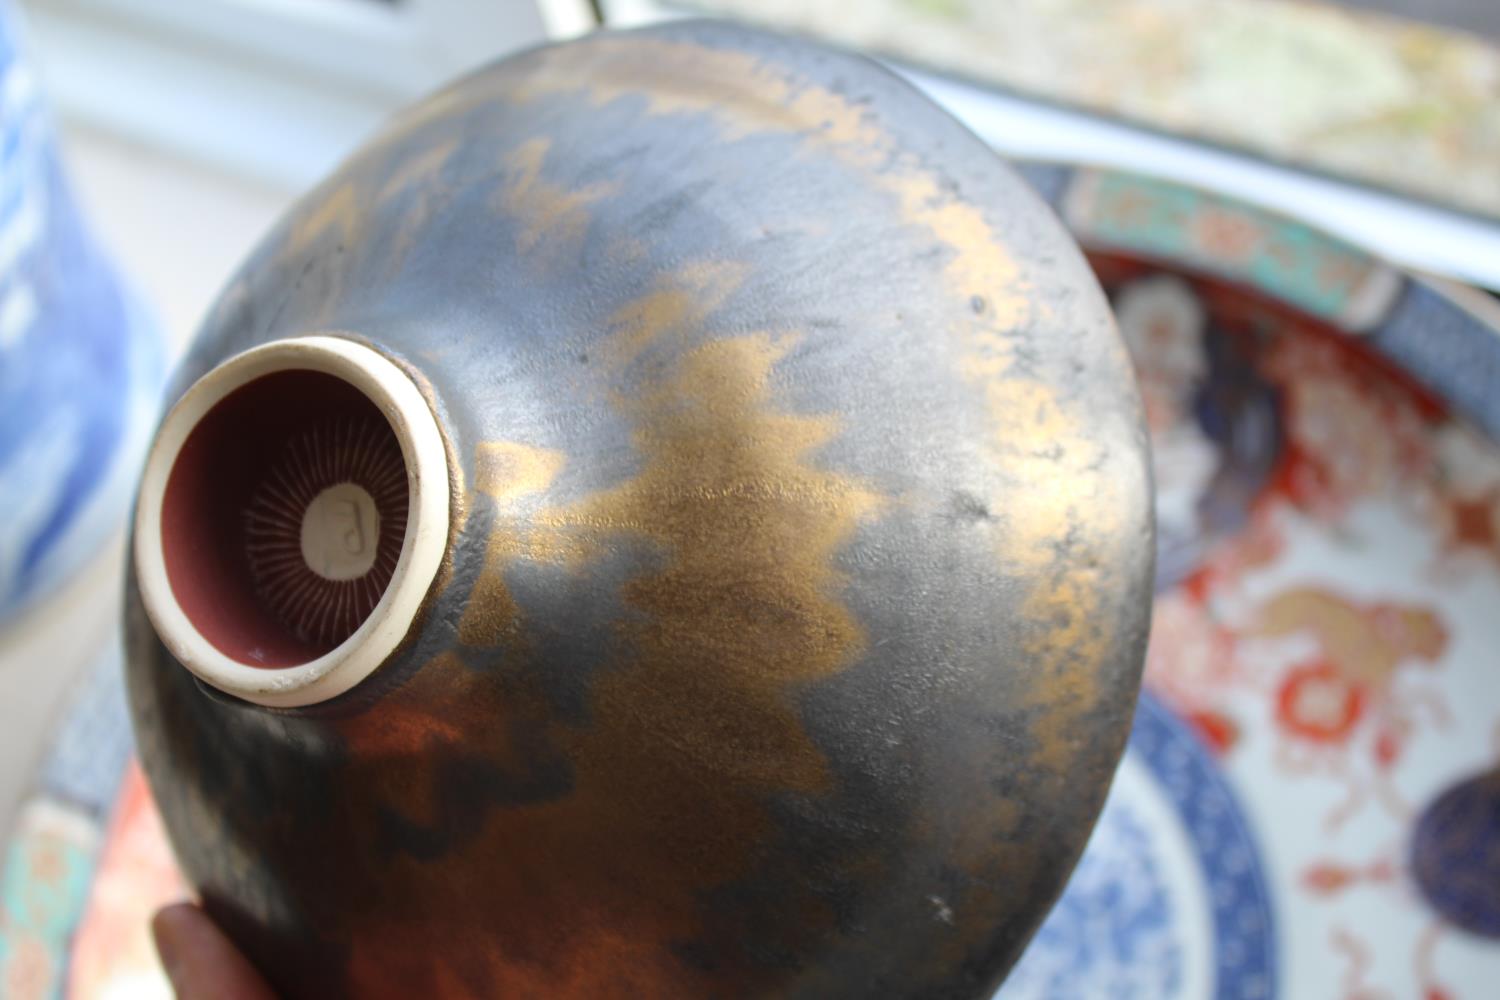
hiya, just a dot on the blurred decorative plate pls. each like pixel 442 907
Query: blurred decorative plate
pixel 1328 499
pixel 1310 802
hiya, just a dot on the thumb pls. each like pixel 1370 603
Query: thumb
pixel 200 961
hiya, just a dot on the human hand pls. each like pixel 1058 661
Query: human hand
pixel 200 961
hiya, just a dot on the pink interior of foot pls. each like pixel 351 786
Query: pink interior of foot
pixel 272 465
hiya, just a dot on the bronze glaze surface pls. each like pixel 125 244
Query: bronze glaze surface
pixel 799 575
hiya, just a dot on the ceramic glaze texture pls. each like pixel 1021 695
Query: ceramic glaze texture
pixel 800 553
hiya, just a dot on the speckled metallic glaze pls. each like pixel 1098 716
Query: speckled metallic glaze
pixel 798 582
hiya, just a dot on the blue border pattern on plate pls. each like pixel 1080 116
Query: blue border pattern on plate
pixel 1244 925
pixel 1116 931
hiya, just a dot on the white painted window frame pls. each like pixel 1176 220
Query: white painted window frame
pixel 219 80
pixel 282 89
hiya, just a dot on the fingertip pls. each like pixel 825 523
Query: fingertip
pixel 199 960
pixel 169 926
pixel 170 918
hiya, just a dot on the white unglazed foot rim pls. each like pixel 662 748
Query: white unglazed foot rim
pixel 426 458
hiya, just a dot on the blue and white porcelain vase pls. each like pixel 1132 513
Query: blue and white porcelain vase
pixel 81 365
